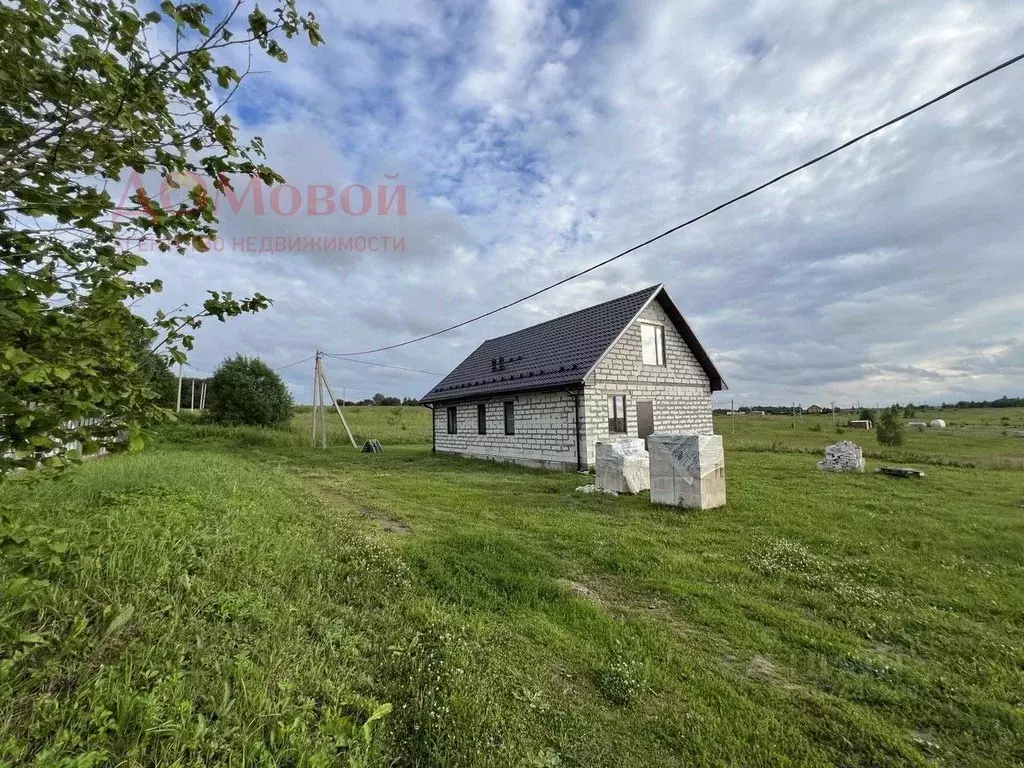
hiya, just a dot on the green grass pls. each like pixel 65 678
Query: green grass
pixel 817 619
pixel 983 437
pixel 392 425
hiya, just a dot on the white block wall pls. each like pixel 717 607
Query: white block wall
pixel 545 430
pixel 679 390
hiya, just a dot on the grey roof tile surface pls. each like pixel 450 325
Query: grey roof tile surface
pixel 553 354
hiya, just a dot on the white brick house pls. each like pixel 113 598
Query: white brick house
pixel 545 395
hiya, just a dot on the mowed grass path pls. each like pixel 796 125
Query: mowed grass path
pixel 815 620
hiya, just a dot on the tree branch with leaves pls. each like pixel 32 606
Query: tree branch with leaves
pixel 88 97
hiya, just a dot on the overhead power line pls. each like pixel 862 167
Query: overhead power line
pixel 297 362
pixel 695 219
pixel 381 365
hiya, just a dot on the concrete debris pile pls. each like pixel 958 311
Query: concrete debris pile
pixel 687 470
pixel 593 489
pixel 623 466
pixel 844 456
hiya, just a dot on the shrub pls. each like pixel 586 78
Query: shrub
pixel 866 414
pixel 890 428
pixel 244 390
pixel 815 427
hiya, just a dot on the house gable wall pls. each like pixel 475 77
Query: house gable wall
pixel 680 390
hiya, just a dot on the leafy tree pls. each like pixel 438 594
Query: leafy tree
pixel 244 390
pixel 88 100
pixel 866 414
pixel 889 429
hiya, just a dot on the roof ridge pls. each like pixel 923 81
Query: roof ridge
pixel 649 289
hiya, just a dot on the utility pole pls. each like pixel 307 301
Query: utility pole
pixel 793 410
pixel 323 416
pixel 192 400
pixel 833 413
pixel 316 381
pixel 732 408
pixel 177 408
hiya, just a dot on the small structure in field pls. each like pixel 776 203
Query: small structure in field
pixel 900 472
pixel 860 424
pixel 813 409
pixel 687 470
pixel 623 466
pixel 918 425
pixel 844 456
pixel 937 424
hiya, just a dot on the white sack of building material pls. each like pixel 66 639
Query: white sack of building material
pixel 937 424
pixel 623 466
pixel 687 469
pixel 844 456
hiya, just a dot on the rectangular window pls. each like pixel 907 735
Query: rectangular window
pixel 510 418
pixel 652 339
pixel 453 420
pixel 617 414
pixel 481 419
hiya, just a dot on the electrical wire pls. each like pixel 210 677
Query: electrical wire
pixel 381 365
pixel 297 362
pixel 695 219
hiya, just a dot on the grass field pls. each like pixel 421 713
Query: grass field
pixel 982 437
pixel 231 592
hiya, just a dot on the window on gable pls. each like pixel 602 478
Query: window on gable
pixel 617 414
pixel 453 420
pixel 652 340
pixel 481 419
pixel 510 418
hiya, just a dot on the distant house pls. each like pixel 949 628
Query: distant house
pixel 546 395
pixel 813 409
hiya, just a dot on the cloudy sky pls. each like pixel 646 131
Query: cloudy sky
pixel 533 138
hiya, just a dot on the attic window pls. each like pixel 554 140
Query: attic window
pixel 652 342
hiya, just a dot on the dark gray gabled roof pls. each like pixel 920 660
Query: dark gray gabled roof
pixel 558 353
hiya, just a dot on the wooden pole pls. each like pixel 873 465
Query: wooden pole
pixel 316 378
pixel 177 408
pixel 338 408
pixel 323 415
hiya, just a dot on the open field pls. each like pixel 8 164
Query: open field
pixel 982 437
pixel 276 590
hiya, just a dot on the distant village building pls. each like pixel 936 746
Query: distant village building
pixel 546 395
pixel 813 409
